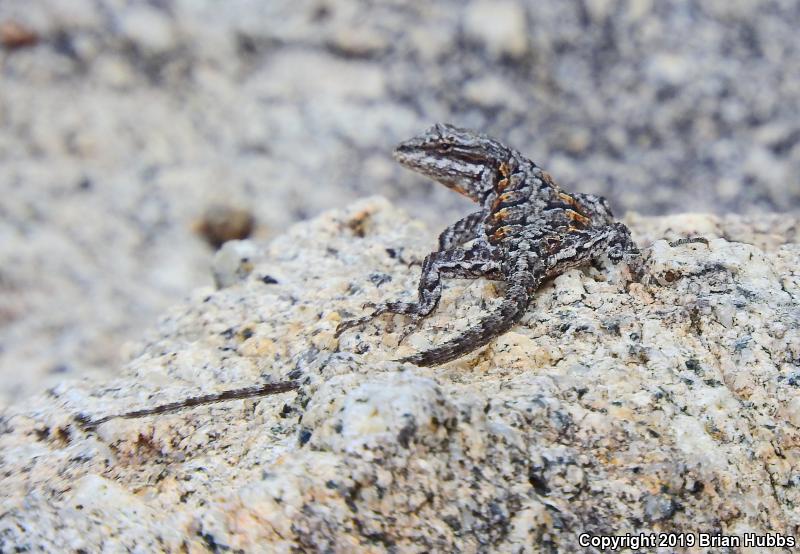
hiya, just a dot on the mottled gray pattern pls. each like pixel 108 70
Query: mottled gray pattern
pixel 527 231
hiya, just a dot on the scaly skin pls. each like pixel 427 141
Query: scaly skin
pixel 528 230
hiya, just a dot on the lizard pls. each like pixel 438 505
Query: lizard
pixel 527 230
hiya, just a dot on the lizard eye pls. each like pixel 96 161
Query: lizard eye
pixel 445 147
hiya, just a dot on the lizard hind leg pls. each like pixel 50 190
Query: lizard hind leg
pixel 471 263
pixel 498 322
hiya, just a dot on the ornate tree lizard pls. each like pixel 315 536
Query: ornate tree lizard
pixel 528 230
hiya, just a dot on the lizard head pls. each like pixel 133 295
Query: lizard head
pixel 463 160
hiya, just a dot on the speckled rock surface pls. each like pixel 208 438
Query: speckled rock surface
pixel 122 122
pixel 615 406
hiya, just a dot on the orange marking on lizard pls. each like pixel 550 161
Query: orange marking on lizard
pixel 500 215
pixel 502 198
pixel 460 190
pixel 549 180
pixel 580 218
pixel 501 233
pixel 567 199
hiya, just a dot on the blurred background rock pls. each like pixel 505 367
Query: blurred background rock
pixel 128 129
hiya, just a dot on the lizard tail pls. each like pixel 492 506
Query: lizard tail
pixel 498 322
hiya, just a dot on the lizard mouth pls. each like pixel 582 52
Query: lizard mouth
pixel 432 161
pixel 453 173
pixel 407 153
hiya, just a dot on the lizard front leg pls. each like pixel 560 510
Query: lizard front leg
pixel 459 263
pixel 461 231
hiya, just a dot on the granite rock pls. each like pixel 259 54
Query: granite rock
pixel 122 122
pixel 663 405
